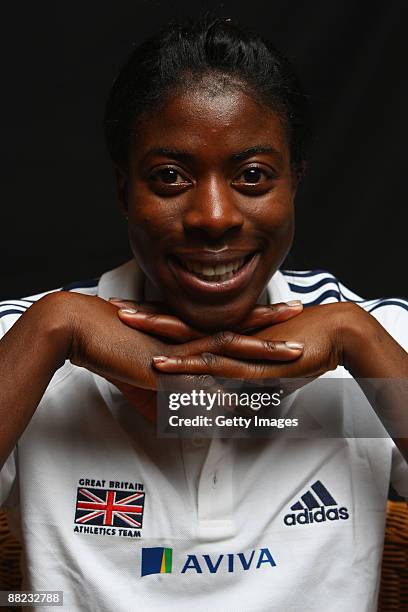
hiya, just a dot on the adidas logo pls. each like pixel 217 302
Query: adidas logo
pixel 318 506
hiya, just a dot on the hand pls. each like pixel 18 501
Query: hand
pixel 318 329
pixel 332 335
pixel 92 336
pixel 153 318
pixel 98 340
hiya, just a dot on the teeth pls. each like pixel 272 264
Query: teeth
pixel 208 271
pixel 218 270
pixel 221 269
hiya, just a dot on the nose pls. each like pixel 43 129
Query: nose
pixel 213 211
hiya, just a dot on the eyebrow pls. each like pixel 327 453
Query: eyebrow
pixel 241 155
pixel 174 153
pixel 256 150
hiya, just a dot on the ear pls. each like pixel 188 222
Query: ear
pixel 298 172
pixel 301 170
pixel 121 189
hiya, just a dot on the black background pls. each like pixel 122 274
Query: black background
pixel 59 221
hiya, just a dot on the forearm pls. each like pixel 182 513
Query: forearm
pixel 380 366
pixel 30 353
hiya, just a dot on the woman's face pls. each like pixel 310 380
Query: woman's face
pixel 209 198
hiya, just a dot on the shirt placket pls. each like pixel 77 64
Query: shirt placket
pixel 215 492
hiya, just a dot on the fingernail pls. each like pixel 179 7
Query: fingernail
pixel 128 310
pixel 294 303
pixel 160 359
pixel 295 346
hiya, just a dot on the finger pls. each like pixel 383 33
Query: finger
pixel 218 366
pixel 138 306
pixel 239 346
pixel 263 316
pixel 162 325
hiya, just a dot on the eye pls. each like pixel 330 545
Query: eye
pixel 168 176
pixel 253 175
pixel 167 181
pixel 254 179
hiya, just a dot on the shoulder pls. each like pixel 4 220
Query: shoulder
pixel 12 309
pixel 315 287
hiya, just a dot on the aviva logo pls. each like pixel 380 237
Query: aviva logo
pixel 318 506
pixel 157 560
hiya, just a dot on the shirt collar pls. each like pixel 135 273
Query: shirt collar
pixel 125 282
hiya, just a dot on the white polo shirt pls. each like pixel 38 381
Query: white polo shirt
pixel 120 520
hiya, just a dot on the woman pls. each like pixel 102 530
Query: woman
pixel 205 126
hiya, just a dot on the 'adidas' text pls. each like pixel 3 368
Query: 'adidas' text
pixel 316 516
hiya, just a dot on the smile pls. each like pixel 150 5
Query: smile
pixel 214 276
pixel 217 272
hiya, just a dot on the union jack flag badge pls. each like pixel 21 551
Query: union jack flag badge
pixel 109 507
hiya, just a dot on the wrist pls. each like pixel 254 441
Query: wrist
pixel 361 336
pixel 54 323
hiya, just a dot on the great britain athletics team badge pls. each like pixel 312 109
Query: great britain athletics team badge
pixel 109 507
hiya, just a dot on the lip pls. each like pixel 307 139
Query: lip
pixel 197 285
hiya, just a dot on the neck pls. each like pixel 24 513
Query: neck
pixel 151 293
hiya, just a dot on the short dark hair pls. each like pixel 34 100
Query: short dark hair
pixel 184 52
